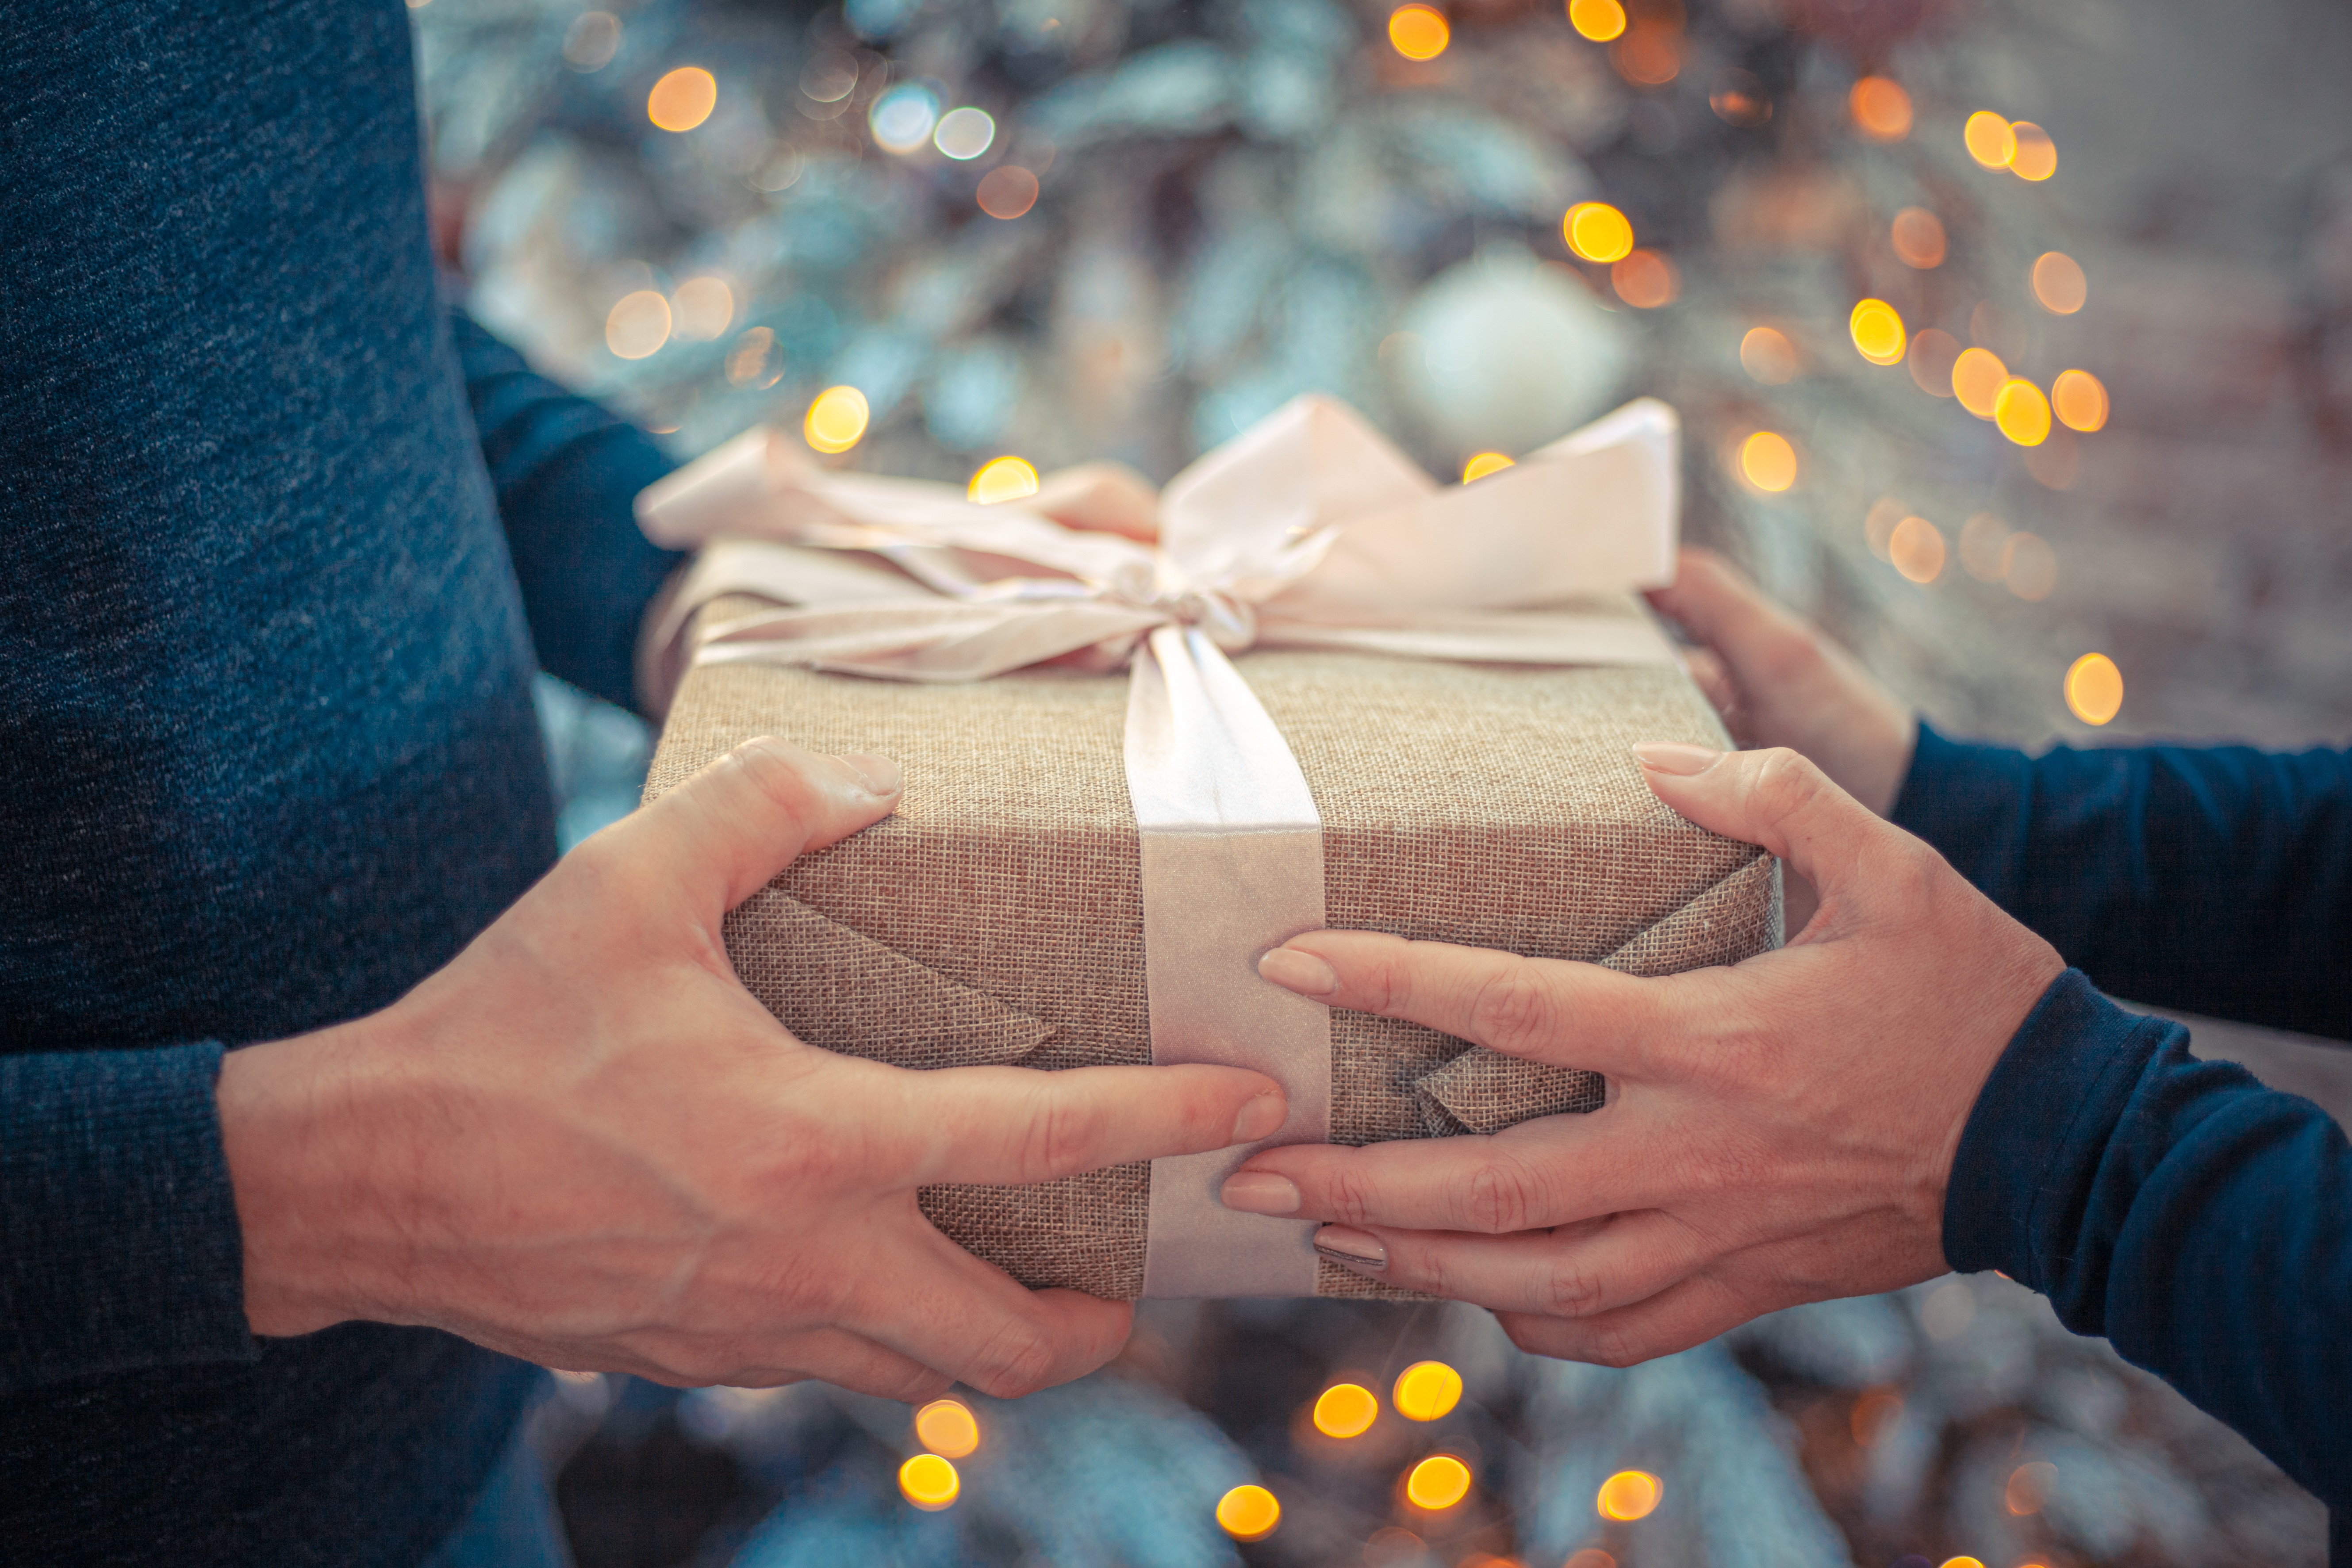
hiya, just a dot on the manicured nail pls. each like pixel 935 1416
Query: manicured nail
pixel 1673 757
pixel 1259 1191
pixel 1300 972
pixel 1260 1118
pixel 880 775
pixel 1353 1249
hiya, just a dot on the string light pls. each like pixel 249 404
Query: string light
pixel 592 40
pixel 1650 54
pixel 1767 354
pixel 1438 1483
pixel 1479 467
pixel 2080 401
pixel 903 117
pixel 1990 139
pixel 1934 352
pixel 1248 1513
pixel 1630 1495
pixel 1877 330
pixel 964 133
pixel 1002 479
pixel 1740 99
pixel 2035 156
pixel 1426 1390
pixel 1348 1409
pixel 1646 280
pixel 1599 20
pixel 1873 1414
pixel 1916 548
pixel 1597 231
pixel 752 359
pixel 2022 412
pixel 1591 1557
pixel 2059 284
pixel 1878 524
pixel 929 1482
pixel 704 306
pixel 1767 461
pixel 1007 191
pixel 638 324
pixel 1881 109
pixel 2094 689
pixel 1918 236
pixel 682 99
pixel 836 420
pixel 2029 1487
pixel 948 1428
pixel 1419 32
pixel 1977 377
pixel 1962 1563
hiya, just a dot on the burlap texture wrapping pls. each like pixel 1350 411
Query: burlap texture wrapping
pixel 997 917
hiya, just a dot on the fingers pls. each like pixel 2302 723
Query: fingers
pixel 724 833
pixel 1572 1271
pixel 1569 1015
pixel 1016 1126
pixel 1777 800
pixel 1677 1317
pixel 1106 498
pixel 1717 603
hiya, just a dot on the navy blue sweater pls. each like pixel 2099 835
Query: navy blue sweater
pixel 2199 1221
pixel 268 755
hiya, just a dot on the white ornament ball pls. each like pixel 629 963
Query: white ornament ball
pixel 1505 352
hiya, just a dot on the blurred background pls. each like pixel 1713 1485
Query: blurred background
pixel 2013 342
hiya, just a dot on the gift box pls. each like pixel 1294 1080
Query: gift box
pixel 1340 695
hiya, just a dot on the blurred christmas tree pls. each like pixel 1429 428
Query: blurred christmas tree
pixel 935 235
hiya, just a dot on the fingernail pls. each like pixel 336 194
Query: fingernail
pixel 1355 1249
pixel 1673 757
pixel 1259 1191
pixel 1300 972
pixel 1260 1118
pixel 879 774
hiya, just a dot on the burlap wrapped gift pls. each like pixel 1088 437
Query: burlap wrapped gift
pixel 998 917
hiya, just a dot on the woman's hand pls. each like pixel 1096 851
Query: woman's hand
pixel 1778 681
pixel 584 1143
pixel 1776 1132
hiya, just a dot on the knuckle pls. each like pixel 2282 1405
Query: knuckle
pixel 1346 1194
pixel 1058 1138
pixel 1785 782
pixel 1617 1346
pixel 1016 1362
pixel 1569 1292
pixel 1497 1198
pixel 1514 1007
pixel 774 768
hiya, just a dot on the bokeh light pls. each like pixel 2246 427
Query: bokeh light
pixel 1480 464
pixel 1934 352
pixel 1977 377
pixel 705 307
pixel 1591 1557
pixel 1767 461
pixel 1878 335
pixel 2022 412
pixel 755 360
pixel 2059 283
pixel 682 99
pixel 1007 191
pixel 1962 1563
pixel 1878 524
pixel 948 1428
pixel 1002 479
pixel 1600 20
pixel 1419 32
pixel 592 40
pixel 1426 1390
pixel 1438 1482
pixel 2094 689
pixel 2034 155
pixel 1738 99
pixel 1873 1414
pixel 1597 231
pixel 1990 139
pixel 2029 1487
pixel 1916 548
pixel 1248 1513
pixel 1918 236
pixel 929 1482
pixel 1881 109
pixel 638 324
pixel 2029 566
pixel 903 116
pixel 1983 538
pixel 1767 354
pixel 1650 54
pixel 1348 1409
pixel 836 420
pixel 1630 1495
pixel 2080 401
pixel 1646 280
pixel 964 133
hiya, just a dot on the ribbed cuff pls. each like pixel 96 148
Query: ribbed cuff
pixel 124 1248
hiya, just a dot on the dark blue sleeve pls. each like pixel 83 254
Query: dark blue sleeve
pixel 121 1242
pixel 2214 879
pixel 2194 1217
pixel 566 472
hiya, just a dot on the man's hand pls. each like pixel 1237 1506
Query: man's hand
pixel 1778 681
pixel 584 1143
pixel 1776 1132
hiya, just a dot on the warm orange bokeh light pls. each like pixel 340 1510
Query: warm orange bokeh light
pixel 2080 401
pixel 1438 1482
pixel 2035 156
pixel 704 307
pixel 1600 20
pixel 1007 191
pixel 929 1482
pixel 1934 352
pixel 2029 1487
pixel 1426 1390
pixel 948 1428
pixel 1348 1409
pixel 836 420
pixel 2094 689
pixel 1650 54
pixel 1248 1513
pixel 638 324
pixel 1767 354
pixel 1872 1414
pixel 1977 376
pixel 2059 283
pixel 1990 139
pixel 1591 1557
pixel 1918 236
pixel 1002 479
pixel 1881 109
pixel 1419 32
pixel 1480 464
pixel 682 99
pixel 1916 548
pixel 1598 232
pixel 1767 461
pixel 1962 1563
pixel 2022 412
pixel 1878 335
pixel 1629 1495
pixel 1646 280
pixel 1878 523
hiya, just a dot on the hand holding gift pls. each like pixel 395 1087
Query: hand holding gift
pixel 582 1142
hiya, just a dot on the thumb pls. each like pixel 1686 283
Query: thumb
pixel 1777 800
pixel 1717 603
pixel 719 837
